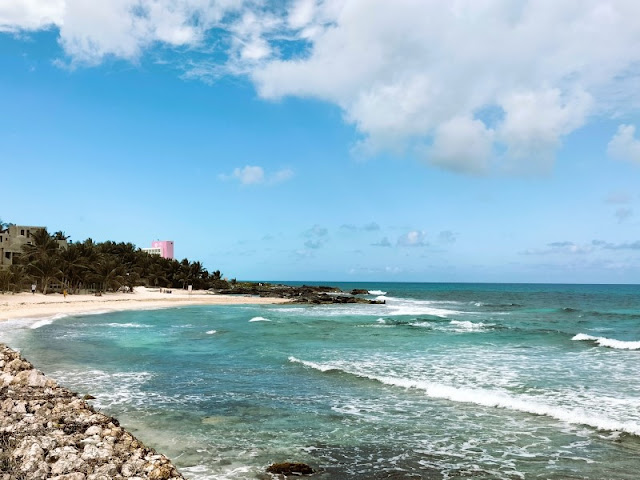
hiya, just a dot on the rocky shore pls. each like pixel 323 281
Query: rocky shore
pixel 300 294
pixel 47 431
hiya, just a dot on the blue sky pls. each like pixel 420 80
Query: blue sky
pixel 332 139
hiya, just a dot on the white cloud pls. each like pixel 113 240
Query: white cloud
pixel 30 14
pixel 249 175
pixel 624 145
pixel 409 72
pixel 414 77
pixel 414 238
pixel 281 176
pixel 255 175
pixel 462 144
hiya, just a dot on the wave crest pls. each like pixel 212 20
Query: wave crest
pixel 377 292
pixel 608 342
pixel 489 398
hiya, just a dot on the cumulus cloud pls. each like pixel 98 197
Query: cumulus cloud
pixel 414 238
pixel 30 15
pixel 254 175
pixel 624 145
pixel 416 77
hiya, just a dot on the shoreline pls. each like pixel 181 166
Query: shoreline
pixel 36 306
pixel 47 430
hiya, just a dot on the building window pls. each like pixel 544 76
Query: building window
pixel 7 255
pixel 21 232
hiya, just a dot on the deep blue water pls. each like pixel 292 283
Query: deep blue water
pixel 444 381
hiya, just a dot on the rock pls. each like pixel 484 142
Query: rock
pixel 288 468
pixel 359 291
pixel 299 294
pixel 93 430
pixel 70 476
pixel 46 431
pixel 162 472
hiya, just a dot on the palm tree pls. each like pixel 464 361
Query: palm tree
pixel 41 244
pixel 111 273
pixel 60 235
pixel 47 269
pixel 19 277
pixel 5 280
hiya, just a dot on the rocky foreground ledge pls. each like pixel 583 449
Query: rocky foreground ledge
pixel 47 431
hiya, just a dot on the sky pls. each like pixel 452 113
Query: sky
pixel 332 140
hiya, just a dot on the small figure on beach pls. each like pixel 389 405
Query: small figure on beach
pixel 33 288
pixel 64 292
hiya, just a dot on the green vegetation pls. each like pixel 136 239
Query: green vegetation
pixel 88 266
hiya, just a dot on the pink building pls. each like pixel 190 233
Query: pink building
pixel 164 248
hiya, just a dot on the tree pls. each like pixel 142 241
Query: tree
pixel 111 273
pixel 5 280
pixel 47 269
pixel 60 236
pixel 41 244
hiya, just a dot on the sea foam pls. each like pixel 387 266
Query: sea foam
pixel 259 319
pixel 489 398
pixel 377 292
pixel 467 326
pixel 47 321
pixel 608 342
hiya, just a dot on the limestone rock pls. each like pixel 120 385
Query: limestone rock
pixel 46 431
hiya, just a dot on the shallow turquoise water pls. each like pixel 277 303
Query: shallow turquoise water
pixel 444 381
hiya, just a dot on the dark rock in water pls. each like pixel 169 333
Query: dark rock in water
pixel 288 468
pixel 88 397
pixel 298 294
pixel 359 291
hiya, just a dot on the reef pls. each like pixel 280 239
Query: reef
pixel 300 294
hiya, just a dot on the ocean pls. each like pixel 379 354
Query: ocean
pixel 444 381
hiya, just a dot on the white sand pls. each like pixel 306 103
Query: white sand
pixel 28 305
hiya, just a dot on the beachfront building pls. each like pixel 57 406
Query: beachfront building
pixel 14 238
pixel 163 248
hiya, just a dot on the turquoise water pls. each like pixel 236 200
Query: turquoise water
pixel 444 381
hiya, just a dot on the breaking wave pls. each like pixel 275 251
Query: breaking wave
pixel 47 321
pixel 377 292
pixel 608 342
pixel 489 398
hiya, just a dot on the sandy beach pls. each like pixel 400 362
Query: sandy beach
pixel 28 305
